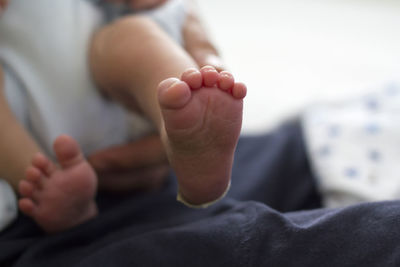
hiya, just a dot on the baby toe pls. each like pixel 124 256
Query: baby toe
pixel 27 206
pixel 210 76
pixel 33 174
pixel 41 162
pixel 193 78
pixel 173 94
pixel 226 81
pixel 239 90
pixel 26 188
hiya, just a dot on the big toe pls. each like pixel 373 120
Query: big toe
pixel 67 151
pixel 173 94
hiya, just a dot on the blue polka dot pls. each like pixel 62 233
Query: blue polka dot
pixel 351 172
pixel 374 155
pixel 324 151
pixel 333 131
pixel 372 128
pixel 372 104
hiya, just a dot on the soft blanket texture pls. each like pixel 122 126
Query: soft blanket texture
pixel 263 221
pixel 353 146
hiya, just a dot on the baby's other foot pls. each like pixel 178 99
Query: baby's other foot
pixel 59 197
pixel 202 115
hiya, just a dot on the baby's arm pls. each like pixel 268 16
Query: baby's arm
pixel 16 145
pixel 197 41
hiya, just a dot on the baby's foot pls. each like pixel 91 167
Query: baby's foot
pixel 202 120
pixel 59 197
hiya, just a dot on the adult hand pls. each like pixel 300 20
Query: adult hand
pixel 3 5
pixel 141 4
pixel 197 42
pixel 139 165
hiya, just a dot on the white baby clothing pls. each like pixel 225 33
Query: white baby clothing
pixel 52 75
pixel 354 147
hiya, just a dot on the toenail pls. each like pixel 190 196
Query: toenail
pixel 191 70
pixel 190 74
pixel 226 74
pixel 168 82
pixel 208 68
pixel 174 80
pixel 175 83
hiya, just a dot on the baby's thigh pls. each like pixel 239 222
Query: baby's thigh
pixel 15 96
pixel 8 202
pixel 170 16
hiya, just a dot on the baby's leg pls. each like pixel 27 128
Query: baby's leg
pixel 199 128
pixel 16 145
pixel 59 197
pixel 130 57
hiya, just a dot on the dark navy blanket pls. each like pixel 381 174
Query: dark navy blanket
pixel 269 218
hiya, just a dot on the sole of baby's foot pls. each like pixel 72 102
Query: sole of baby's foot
pixel 202 119
pixel 59 197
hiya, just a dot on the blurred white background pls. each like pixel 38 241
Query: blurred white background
pixel 291 53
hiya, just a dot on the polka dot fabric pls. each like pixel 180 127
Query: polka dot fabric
pixel 354 147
